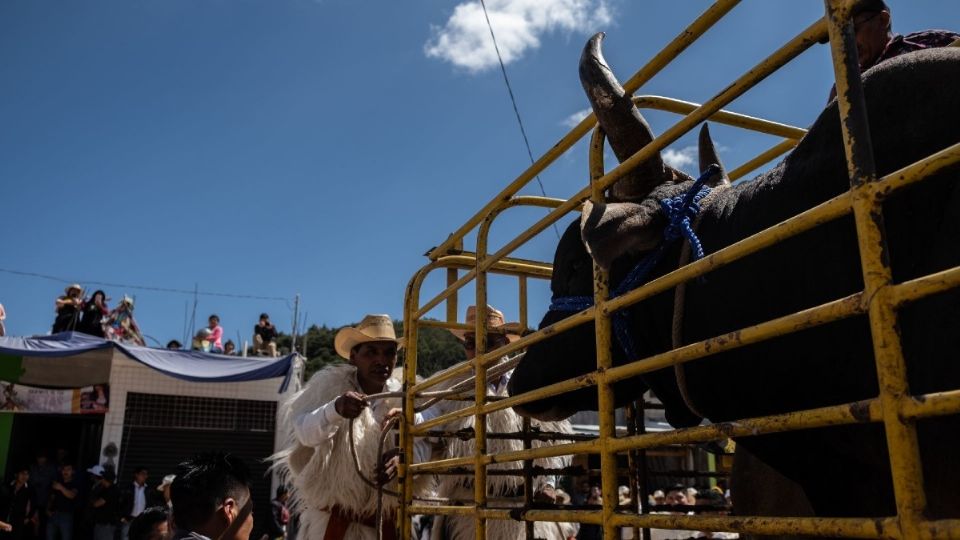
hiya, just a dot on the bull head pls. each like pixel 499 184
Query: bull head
pixel 632 222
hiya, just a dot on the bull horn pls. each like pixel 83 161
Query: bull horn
pixel 626 130
pixel 709 156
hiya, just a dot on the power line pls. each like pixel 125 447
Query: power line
pixel 513 100
pixel 143 287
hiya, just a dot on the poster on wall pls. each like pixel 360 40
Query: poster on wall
pixel 19 398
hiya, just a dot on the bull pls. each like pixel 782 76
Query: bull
pixel 842 471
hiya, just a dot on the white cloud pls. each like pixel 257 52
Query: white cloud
pixel 575 118
pixel 464 40
pixel 680 159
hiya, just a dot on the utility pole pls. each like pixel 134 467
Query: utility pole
pixel 296 315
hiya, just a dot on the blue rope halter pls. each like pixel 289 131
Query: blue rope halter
pixel 680 212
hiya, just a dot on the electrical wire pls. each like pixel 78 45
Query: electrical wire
pixel 143 287
pixel 513 100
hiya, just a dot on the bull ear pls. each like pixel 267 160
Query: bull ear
pixel 626 130
pixel 709 156
pixel 614 229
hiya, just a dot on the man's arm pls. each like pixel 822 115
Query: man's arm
pixel 67 492
pixel 323 422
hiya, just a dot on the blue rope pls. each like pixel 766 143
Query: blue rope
pixel 680 211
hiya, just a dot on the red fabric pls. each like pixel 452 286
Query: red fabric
pixel 341 519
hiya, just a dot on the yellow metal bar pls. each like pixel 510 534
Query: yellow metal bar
pixel 522 293
pixel 891 370
pixel 885 528
pixel 452 275
pixel 918 171
pixel 777 150
pixel 728 118
pixel 604 331
pixel 480 381
pixel 922 406
pixel 683 40
pixel 922 287
pixel 944 529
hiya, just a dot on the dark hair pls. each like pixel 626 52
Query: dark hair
pixel 710 497
pixel 214 316
pixel 96 292
pixel 143 524
pixel 264 316
pixel 138 470
pixel 174 344
pixel 203 483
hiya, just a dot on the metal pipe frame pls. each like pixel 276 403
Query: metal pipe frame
pixel 895 407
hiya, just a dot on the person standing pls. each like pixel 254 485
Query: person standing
pixel 326 418
pixel 265 337
pixel 42 475
pixel 19 510
pixel 133 499
pixel 94 311
pixel 3 317
pixel 105 502
pixel 68 309
pixel 499 334
pixel 62 506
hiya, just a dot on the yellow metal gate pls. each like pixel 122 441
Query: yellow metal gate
pixel 894 407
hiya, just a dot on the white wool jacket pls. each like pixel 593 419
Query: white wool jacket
pixel 504 488
pixel 323 474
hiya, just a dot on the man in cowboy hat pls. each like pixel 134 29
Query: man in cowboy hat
pixel 328 419
pixel 499 333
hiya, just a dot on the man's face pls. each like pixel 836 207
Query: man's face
pixel 213 322
pixel 493 341
pixel 66 472
pixel 676 497
pixel 872 29
pixel 585 487
pixel 375 361
pixel 140 477
pixel 23 476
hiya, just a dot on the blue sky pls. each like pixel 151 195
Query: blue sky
pixel 275 147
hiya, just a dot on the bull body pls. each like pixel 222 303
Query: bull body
pixel 844 471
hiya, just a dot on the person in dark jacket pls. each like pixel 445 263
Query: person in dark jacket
pixel 62 506
pixel 18 509
pixel 94 310
pixel 134 499
pixel 105 503
pixel 68 309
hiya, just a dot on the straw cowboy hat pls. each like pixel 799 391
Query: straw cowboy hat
pixel 371 328
pixel 495 323
pixel 72 287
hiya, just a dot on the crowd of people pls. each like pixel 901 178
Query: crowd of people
pixel 208 496
pixel 76 312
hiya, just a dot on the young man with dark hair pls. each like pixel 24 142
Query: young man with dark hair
pixel 62 505
pixel 134 499
pixel 151 524
pixel 265 337
pixel 211 498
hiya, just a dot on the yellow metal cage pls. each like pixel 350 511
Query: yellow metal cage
pixel 894 407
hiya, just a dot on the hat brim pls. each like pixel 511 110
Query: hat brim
pixel 348 338
pixel 511 330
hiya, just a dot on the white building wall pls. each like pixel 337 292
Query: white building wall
pixel 128 375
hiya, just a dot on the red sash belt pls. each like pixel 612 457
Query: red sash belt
pixel 340 520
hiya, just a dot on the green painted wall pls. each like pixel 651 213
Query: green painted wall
pixel 11 367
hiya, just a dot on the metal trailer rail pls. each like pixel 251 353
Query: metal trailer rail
pixel 895 407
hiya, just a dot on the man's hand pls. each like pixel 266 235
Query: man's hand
pixel 395 412
pixel 387 470
pixel 350 404
pixel 546 494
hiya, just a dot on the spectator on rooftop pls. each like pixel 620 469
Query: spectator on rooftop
pixel 174 345
pixel 68 309
pixel 209 339
pixel 265 337
pixel 229 348
pixel 3 317
pixel 94 311
pixel 121 326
